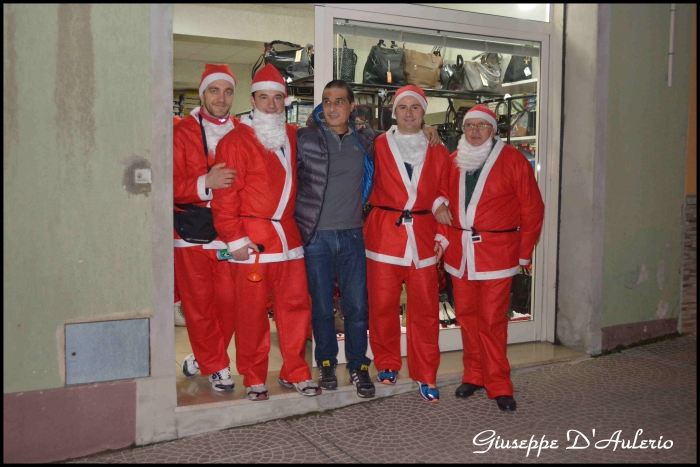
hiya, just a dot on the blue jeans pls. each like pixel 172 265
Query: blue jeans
pixel 340 253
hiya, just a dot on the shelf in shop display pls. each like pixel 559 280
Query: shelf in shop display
pixel 521 87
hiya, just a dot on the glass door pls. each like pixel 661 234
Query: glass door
pixel 476 65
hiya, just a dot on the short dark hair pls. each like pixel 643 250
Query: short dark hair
pixel 342 84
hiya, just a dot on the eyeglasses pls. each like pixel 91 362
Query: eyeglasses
pixel 480 126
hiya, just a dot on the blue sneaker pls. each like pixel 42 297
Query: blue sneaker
pixel 429 392
pixel 387 376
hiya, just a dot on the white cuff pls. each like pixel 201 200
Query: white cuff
pixel 524 262
pixel 442 240
pixel 238 244
pixel 205 194
pixel 438 202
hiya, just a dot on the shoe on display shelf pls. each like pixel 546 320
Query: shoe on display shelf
pixel 362 381
pixel 221 380
pixel 326 376
pixel 257 392
pixel 387 376
pixel 179 316
pixel 428 392
pixel 190 367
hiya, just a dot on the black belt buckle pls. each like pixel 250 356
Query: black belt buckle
pixel 407 219
pixel 476 237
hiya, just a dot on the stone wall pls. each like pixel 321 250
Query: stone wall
pixel 689 304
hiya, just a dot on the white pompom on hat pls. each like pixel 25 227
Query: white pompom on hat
pixel 214 72
pixel 269 78
pixel 481 111
pixel 412 91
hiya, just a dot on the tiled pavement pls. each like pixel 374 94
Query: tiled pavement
pixel 651 388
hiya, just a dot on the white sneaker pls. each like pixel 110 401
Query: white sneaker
pixel 221 380
pixel 179 317
pixel 257 393
pixel 190 366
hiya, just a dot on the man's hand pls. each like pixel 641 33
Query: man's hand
pixel 443 215
pixel 432 134
pixel 220 177
pixel 438 249
pixel 241 254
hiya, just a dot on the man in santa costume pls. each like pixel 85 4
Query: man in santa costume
pixel 256 212
pixel 204 282
pixel 497 211
pixel 401 244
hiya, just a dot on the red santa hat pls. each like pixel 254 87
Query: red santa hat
pixel 214 72
pixel 481 111
pixel 269 78
pixel 412 91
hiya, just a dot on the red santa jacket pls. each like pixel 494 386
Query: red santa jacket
pixel 425 191
pixel 190 167
pixel 506 197
pixel 265 189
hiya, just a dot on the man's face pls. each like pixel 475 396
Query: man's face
pixel 409 115
pixel 217 98
pixel 268 101
pixel 336 107
pixel 477 136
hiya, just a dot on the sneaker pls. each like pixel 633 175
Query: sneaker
pixel 361 379
pixel 190 366
pixel 307 388
pixel 327 378
pixel 428 392
pixel 179 317
pixel 257 392
pixel 221 380
pixel 387 376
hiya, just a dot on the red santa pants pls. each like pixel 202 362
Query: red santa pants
pixel 481 308
pixel 422 318
pixel 286 281
pixel 206 290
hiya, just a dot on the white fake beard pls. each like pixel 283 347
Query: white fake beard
pixel 471 158
pixel 270 129
pixel 413 148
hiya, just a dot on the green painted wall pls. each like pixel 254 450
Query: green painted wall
pixel 645 163
pixel 76 243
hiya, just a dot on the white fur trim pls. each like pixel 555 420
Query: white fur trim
pixel 443 241
pixel 287 101
pixel 524 262
pixel 268 85
pixel 238 244
pixel 293 254
pixel 215 245
pixel 438 202
pixel 421 99
pixel 213 77
pixel 479 114
pixel 201 191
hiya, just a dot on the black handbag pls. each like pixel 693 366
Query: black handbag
pixel 346 60
pixel 292 64
pixel 520 291
pixel 518 69
pixel 384 65
pixel 195 224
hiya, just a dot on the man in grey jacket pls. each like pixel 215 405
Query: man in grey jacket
pixel 335 166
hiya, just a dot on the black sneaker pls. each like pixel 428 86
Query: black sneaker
pixel 361 379
pixel 326 377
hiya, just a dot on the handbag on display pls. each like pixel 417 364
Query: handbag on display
pixel 344 59
pixel 447 315
pixel 385 121
pixel 384 65
pixel 421 69
pixel 294 63
pixel 484 75
pixel 365 112
pixel 450 131
pixel 455 76
pixel 519 68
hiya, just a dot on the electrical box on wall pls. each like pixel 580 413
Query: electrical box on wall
pixel 107 351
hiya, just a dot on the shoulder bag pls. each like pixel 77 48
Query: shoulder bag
pixel 292 64
pixel 518 69
pixel 421 69
pixel 345 60
pixel 384 65
pixel 195 224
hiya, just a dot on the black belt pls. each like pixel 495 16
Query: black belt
pixel 475 234
pixel 264 218
pixel 405 213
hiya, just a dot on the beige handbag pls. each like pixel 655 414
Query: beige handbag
pixel 421 69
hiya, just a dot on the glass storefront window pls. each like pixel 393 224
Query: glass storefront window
pixel 456 71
